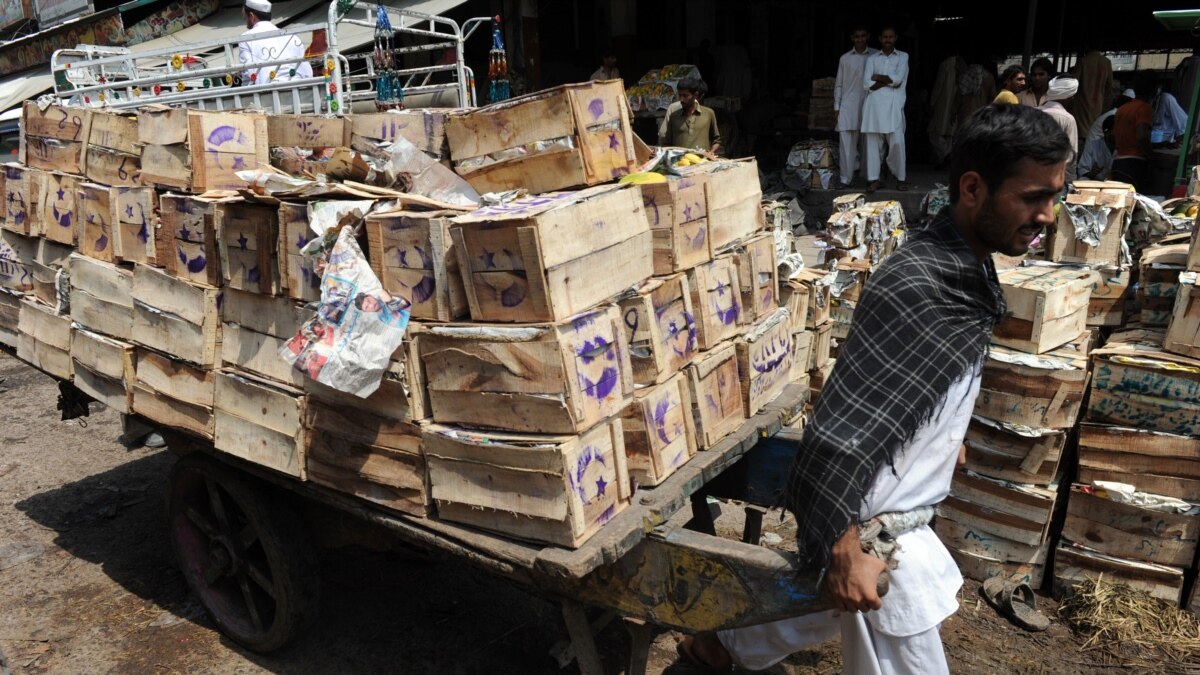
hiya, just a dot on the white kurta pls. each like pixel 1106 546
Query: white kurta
pixel 883 110
pixel 902 636
pixel 848 95
pixel 287 47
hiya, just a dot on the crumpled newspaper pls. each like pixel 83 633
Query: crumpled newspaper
pixel 1089 222
pixel 1124 493
pixel 348 344
pixel 429 177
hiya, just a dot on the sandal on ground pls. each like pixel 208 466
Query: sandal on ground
pixel 686 648
pixel 875 185
pixel 1015 601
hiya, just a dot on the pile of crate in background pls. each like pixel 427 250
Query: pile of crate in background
pixel 821 115
pixel 565 348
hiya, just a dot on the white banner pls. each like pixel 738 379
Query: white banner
pixel 50 12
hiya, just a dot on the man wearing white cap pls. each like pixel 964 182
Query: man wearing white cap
pixel 287 48
pixel 1096 132
pixel 1059 94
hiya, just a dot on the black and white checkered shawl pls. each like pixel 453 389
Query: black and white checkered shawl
pixel 923 322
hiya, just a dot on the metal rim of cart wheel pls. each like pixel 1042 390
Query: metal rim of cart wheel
pixel 246 556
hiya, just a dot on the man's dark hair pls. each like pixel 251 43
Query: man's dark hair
pixel 694 85
pixel 1010 72
pixel 1046 65
pixel 1145 85
pixel 996 137
pixel 262 16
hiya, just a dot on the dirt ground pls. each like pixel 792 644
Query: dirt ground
pixel 88 583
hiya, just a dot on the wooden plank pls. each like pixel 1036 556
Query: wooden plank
pixel 982 568
pixel 414 257
pixel 298 274
pixel 967 538
pixel 660 328
pixel 101 316
pixel 258 354
pixel 110 392
pixel 44 325
pixel 1130 532
pixel 1013 457
pixel 98 218
pixel 716 298
pixel 278 317
pixel 561 494
pixel 51 154
pixel 1030 396
pixel 162 125
pixel 137 235
pixel 998 523
pixel 264 440
pixel 154 328
pixel 169 412
pixel 103 355
pixel 1110 293
pixel 175 379
pixel 46 358
pixel 273 407
pixel 425 129
pixel 659 431
pixel 60 213
pixel 194 304
pixel 1031 504
pixel 758 277
pixel 1183 332
pixel 247 236
pixel 223 143
pixel 764 359
pixel 307 131
pixel 109 167
pixel 168 166
pixel 524 120
pixel 1073 565
pixel 716 395
pixel 56 121
pixel 20 200
pixel 17 252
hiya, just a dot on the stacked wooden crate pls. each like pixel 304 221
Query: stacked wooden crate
pixel 1139 436
pixel 997 518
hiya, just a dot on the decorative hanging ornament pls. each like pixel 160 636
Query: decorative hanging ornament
pixel 499 88
pixel 229 79
pixel 177 62
pixel 271 76
pixel 137 92
pixel 180 85
pixel 157 89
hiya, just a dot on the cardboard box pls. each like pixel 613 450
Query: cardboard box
pixel 1136 383
pixel 554 489
pixel 1062 241
pixel 677 212
pixel 98 216
pixel 659 431
pixel 174 393
pixel 568 136
pixel 223 143
pixel 45 339
pixel 553 378
pixel 758 277
pixel 1048 307
pixel 101 296
pixel 660 327
pixel 716 298
pixel 371 457
pixel 822 337
pixel 104 368
pixel 996 519
pixel 802 347
pixel 820 296
pixel 176 317
pixel 716 394
pixel 247 237
pixel 59 215
pixel 1158 282
pixel 1043 392
pixel 529 260
pixel 414 257
pixel 261 423
pixel 307 131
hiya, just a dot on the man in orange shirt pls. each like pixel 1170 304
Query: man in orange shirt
pixel 1131 130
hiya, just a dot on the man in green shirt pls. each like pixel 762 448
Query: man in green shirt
pixel 692 125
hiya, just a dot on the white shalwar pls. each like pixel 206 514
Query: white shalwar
pixel 282 47
pixel 883 113
pixel 848 102
pixel 902 637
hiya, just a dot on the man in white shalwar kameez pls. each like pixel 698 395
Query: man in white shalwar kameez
pixel 884 80
pixel 906 379
pixel 848 96
pixel 284 47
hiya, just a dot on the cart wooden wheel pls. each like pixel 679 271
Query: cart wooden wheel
pixel 246 555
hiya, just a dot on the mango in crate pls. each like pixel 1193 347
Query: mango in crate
pixel 643 178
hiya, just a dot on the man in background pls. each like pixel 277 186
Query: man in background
pixel 1095 74
pixel 885 78
pixel 1012 82
pixel 1131 158
pixel 287 48
pixel 608 68
pixel 848 95
pixel 1059 94
pixel 692 125
pixel 1040 74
